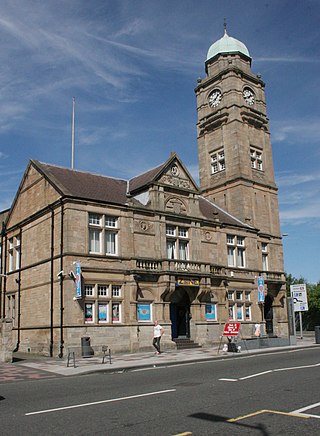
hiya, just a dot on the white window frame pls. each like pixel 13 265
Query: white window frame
pixel 239 310
pixel 95 243
pixel 10 265
pixel 116 291
pixel 116 303
pixel 103 234
pixel 236 251
pixel 177 242
pixel 103 303
pixel 256 157
pixel 248 312
pixel 231 310
pixel 103 291
pixel 264 256
pixel 89 290
pixel 215 305
pixel 93 312
pixel 218 162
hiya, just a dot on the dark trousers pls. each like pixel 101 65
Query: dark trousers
pixel 156 343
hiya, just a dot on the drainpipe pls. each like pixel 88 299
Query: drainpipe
pixel 61 283
pixel 19 293
pixel 51 282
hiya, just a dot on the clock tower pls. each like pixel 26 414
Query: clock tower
pixel 235 155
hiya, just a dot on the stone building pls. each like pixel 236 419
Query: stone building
pixel 86 255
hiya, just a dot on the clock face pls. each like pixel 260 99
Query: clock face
pixel 248 96
pixel 215 98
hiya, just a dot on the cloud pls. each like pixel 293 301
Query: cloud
pixel 296 131
pixel 286 179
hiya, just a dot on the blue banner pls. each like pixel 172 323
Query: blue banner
pixel 78 280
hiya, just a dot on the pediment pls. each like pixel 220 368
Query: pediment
pixel 176 175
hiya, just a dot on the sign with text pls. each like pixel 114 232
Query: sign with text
pixel 231 329
pixel 299 297
pixel 187 282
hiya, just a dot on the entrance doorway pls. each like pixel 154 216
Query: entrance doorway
pixel 180 314
pixel 268 315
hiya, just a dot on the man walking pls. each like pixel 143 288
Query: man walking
pixel 157 333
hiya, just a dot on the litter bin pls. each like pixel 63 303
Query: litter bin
pixel 317 333
pixel 86 350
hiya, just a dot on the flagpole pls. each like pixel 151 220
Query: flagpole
pixel 72 134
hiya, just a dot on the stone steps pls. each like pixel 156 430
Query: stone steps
pixel 185 343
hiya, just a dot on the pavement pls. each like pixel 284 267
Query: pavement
pixel 28 367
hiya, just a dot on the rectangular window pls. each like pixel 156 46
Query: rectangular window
pixel 102 239
pixel 111 221
pixel 111 242
pixel 116 291
pixel 144 312
pixel 88 290
pixel 236 251
pixel 247 296
pixel 177 246
pixel 211 312
pixel 248 313
pixel 171 249
pixel 95 219
pixel 218 161
pixel 264 251
pixel 17 252
pixel 116 314
pixel 231 311
pixel 231 295
pixel 102 312
pixel 256 159
pixel 103 291
pixel 88 312
pixel 239 295
pixel 95 241
pixel 239 312
pixel 10 266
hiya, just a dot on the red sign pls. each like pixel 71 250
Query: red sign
pixel 231 329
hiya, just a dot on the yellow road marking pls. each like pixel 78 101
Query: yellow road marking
pixel 259 412
pixel 183 434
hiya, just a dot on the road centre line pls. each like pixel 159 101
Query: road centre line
pixel 57 409
pixel 258 374
pixel 270 371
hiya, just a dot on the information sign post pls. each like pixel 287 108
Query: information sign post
pixel 300 301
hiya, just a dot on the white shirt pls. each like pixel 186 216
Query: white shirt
pixel 157 331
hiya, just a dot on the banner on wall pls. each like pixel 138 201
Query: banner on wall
pixel 78 280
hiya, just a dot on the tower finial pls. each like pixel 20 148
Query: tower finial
pixel 225 26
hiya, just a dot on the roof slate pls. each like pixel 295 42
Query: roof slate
pixel 104 189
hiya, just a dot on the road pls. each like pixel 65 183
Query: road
pixel 243 395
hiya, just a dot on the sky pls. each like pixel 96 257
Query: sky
pixel 132 66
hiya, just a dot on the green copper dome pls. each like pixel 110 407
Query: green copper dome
pixel 227 44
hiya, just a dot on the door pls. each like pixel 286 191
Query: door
pixel 180 314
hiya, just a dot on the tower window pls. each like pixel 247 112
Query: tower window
pixel 218 161
pixel 256 159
